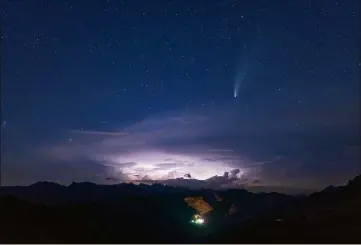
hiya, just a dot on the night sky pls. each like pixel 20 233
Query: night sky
pixel 200 93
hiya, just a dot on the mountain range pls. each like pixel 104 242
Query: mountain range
pixel 46 212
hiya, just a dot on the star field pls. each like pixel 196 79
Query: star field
pixel 118 67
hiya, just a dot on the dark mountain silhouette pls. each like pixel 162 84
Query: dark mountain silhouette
pixel 51 193
pixel 330 216
pixel 88 213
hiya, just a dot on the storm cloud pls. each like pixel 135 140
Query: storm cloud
pixel 218 147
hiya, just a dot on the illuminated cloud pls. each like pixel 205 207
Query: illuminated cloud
pixel 217 147
pixel 158 148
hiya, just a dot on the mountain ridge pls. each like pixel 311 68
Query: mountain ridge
pixel 92 215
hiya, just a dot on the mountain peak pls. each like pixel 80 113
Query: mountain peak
pixel 45 183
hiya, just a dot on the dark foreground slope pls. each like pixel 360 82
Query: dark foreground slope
pixel 125 222
pixel 87 213
pixel 330 216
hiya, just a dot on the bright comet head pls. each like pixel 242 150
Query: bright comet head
pixel 235 91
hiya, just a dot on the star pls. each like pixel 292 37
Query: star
pixel 163 75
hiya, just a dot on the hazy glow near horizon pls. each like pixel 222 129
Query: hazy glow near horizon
pixel 162 165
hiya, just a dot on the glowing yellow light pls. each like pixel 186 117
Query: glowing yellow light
pixel 200 221
pixel 197 219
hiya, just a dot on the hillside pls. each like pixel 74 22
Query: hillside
pixel 88 213
pixel 330 216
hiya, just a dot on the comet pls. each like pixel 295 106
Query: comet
pixel 246 63
pixel 237 84
pixel 239 78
